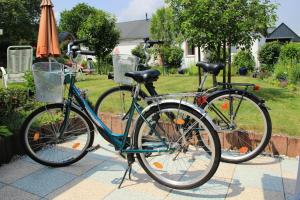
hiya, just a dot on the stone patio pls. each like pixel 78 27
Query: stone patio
pixel 97 177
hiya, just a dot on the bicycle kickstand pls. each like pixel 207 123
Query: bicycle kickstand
pixel 130 160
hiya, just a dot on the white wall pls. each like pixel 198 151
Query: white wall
pixel 126 46
pixel 255 50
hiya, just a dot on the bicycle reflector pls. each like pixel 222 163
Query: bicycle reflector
pixel 201 100
pixel 158 165
pixel 244 149
pixel 36 136
pixel 225 106
pixel 179 121
pixel 76 145
pixel 256 88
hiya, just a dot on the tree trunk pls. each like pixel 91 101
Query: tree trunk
pixel 224 60
pixel 199 68
pixel 229 62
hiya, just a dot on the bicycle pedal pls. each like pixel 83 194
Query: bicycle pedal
pixel 93 148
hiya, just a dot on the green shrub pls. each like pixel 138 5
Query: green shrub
pixel 294 74
pixel 281 72
pixel 243 59
pixel 172 56
pixel 290 53
pixel 11 99
pixel 139 52
pixel 191 71
pixel 269 54
pixel 29 81
pixel 104 66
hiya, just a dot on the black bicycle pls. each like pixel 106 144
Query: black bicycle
pixel 242 119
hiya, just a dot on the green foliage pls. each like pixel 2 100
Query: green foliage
pixel 163 26
pixel 101 32
pixel 138 51
pixel 290 53
pixel 212 24
pixel 191 71
pixel 19 21
pixel 71 20
pixel 244 58
pixel 104 66
pixel 11 99
pixel 284 71
pixel 172 56
pixel 294 74
pixel 4 131
pixel 29 81
pixel 269 54
pixel 281 72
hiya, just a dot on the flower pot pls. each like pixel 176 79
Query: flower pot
pixel 6 149
pixel 243 71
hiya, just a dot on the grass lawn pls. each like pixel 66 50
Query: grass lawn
pixel 284 105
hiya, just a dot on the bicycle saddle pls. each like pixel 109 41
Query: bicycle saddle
pixel 211 68
pixel 146 76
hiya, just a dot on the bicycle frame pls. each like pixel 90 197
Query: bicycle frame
pixel 118 140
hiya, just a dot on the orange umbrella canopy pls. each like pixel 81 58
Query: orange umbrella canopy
pixel 48 44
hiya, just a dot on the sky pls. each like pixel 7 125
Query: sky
pixel 127 10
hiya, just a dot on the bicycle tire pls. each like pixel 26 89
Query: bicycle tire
pixel 266 118
pixel 215 156
pixel 33 155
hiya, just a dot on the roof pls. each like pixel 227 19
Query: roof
pixel 138 29
pixel 283 32
pixel 64 35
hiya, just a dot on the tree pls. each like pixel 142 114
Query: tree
pixel 162 26
pixel 219 24
pixel 19 20
pixel 101 32
pixel 71 20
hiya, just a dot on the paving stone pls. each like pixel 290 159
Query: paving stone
pixel 289 182
pixel 108 172
pixel 141 182
pixel 290 166
pixel 81 189
pixel 225 170
pixel 44 181
pixel 11 193
pixel 253 176
pixel 130 195
pixel 250 193
pixel 1 185
pixel 215 189
pixel 82 166
pixel 18 169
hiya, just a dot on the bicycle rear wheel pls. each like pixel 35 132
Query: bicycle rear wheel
pixel 244 124
pixel 116 102
pixel 186 164
pixel 44 143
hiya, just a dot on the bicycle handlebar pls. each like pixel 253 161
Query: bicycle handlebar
pixel 88 53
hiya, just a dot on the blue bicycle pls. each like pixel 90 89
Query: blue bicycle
pixel 165 139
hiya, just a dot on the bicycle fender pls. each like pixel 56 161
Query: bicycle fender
pixel 194 107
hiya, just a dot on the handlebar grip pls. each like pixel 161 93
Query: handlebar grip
pixel 88 53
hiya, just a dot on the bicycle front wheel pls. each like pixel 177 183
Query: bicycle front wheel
pixel 244 124
pixel 177 158
pixel 44 142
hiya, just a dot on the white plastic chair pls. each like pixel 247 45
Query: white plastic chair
pixel 19 60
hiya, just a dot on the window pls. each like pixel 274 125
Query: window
pixel 190 49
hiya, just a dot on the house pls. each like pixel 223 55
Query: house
pixel 282 33
pixel 133 34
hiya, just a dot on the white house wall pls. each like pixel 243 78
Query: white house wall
pixel 126 46
pixel 255 50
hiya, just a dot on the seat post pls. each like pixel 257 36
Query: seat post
pixel 201 85
pixel 137 90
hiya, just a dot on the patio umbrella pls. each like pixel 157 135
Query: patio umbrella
pixel 48 38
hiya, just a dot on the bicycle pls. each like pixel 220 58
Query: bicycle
pixel 243 120
pixel 62 133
